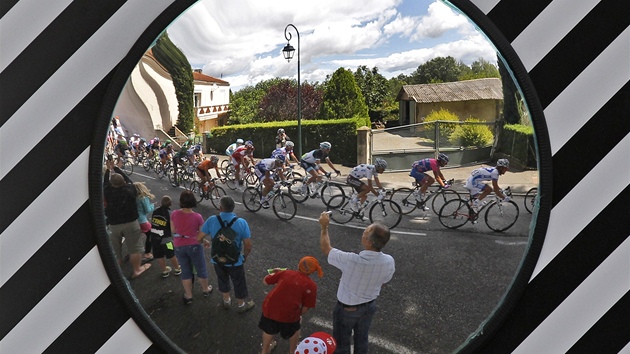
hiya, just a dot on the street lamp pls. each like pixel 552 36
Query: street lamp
pixel 287 52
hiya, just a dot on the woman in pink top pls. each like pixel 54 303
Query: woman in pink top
pixel 185 224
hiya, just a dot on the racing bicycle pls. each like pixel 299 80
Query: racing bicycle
pixel 325 190
pixel 210 191
pixel 282 204
pixel 499 215
pixel 407 198
pixel 379 209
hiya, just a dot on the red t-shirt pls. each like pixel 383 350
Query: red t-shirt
pixel 293 291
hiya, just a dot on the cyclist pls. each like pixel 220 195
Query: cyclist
pixel 475 184
pixel 241 156
pixel 419 169
pixel 179 159
pixel 311 163
pixel 264 169
pixel 281 138
pixel 165 155
pixel 203 170
pixel 121 149
pixel 133 143
pixel 368 172
pixel 194 154
pixel 287 152
pixel 230 149
pixel 154 145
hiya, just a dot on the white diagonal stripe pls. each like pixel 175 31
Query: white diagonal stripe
pixel 589 92
pixel 78 76
pixel 485 5
pixel 553 24
pixel 582 204
pixel 584 307
pixel 42 218
pixel 128 339
pixel 23 23
pixel 59 308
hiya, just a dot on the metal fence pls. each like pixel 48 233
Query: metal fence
pixel 403 145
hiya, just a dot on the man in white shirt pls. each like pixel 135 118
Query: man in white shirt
pixel 362 276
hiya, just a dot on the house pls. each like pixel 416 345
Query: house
pixel 480 98
pixel 212 100
pixel 148 104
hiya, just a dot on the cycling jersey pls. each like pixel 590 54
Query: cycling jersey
pixel 206 165
pixel 425 165
pixel 280 152
pixel 364 171
pixel 241 152
pixel 266 165
pixel 163 153
pixel 313 156
pixel 484 174
pixel 230 149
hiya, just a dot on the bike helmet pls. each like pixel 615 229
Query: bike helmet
pixel 143 140
pixel 280 131
pixel 280 159
pixel 325 145
pixel 214 159
pixel 380 163
pixel 317 343
pixel 442 157
pixel 503 163
pixel 249 144
pixel 289 143
pixel 239 141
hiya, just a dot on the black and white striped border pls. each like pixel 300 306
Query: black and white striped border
pixel 63 64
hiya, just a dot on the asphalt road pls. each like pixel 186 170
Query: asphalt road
pixel 447 282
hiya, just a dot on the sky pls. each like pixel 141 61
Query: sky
pixel 241 41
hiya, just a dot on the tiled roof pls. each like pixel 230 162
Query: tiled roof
pixel 201 77
pixel 469 90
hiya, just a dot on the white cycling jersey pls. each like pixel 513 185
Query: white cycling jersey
pixel 364 171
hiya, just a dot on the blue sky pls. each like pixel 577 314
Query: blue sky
pixel 241 41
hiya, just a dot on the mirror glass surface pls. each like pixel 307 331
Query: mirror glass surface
pixel 447 281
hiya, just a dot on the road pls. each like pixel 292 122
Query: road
pixel 447 282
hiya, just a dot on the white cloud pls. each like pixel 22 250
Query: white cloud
pixel 242 39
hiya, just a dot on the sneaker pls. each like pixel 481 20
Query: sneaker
pixel 178 271
pixel 207 293
pixel 166 272
pixel 476 205
pixel 187 301
pixel 226 304
pixel 246 306
pixel 264 204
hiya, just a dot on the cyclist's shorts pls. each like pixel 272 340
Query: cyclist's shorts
pixel 307 166
pixel 260 173
pixel 355 183
pixel 419 176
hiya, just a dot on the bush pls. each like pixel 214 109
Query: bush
pixel 472 134
pixel 446 129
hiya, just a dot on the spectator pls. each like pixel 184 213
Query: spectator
pixel 145 207
pixel 185 224
pixel 234 272
pixel 294 294
pixel 281 138
pixel 162 239
pixel 122 217
pixel 362 276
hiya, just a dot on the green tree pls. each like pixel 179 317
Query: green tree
pixel 244 105
pixel 440 69
pixel 176 63
pixel 373 86
pixel 342 97
pixel 480 69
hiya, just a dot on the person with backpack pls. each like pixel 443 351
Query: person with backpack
pixel 229 247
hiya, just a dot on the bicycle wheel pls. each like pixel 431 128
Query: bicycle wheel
pixel 147 165
pixel 127 167
pixel 441 198
pixel 195 187
pixel 331 190
pixel 454 214
pixel 215 195
pixel 171 177
pixel 530 199
pixel 224 165
pixel 342 214
pixel 501 216
pixel 405 199
pixel 250 177
pixel 230 179
pixel 284 206
pixel 386 212
pixel 298 191
pixel 251 199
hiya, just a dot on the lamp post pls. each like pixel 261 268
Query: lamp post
pixel 287 52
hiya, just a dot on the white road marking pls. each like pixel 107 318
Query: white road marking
pixel 375 340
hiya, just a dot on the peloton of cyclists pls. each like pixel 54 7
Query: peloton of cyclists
pixel 368 172
pixel 265 169
pixel 243 155
pixel 311 163
pixel 475 184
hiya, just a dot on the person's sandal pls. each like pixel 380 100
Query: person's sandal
pixel 166 272
pixel 187 301
pixel 178 271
